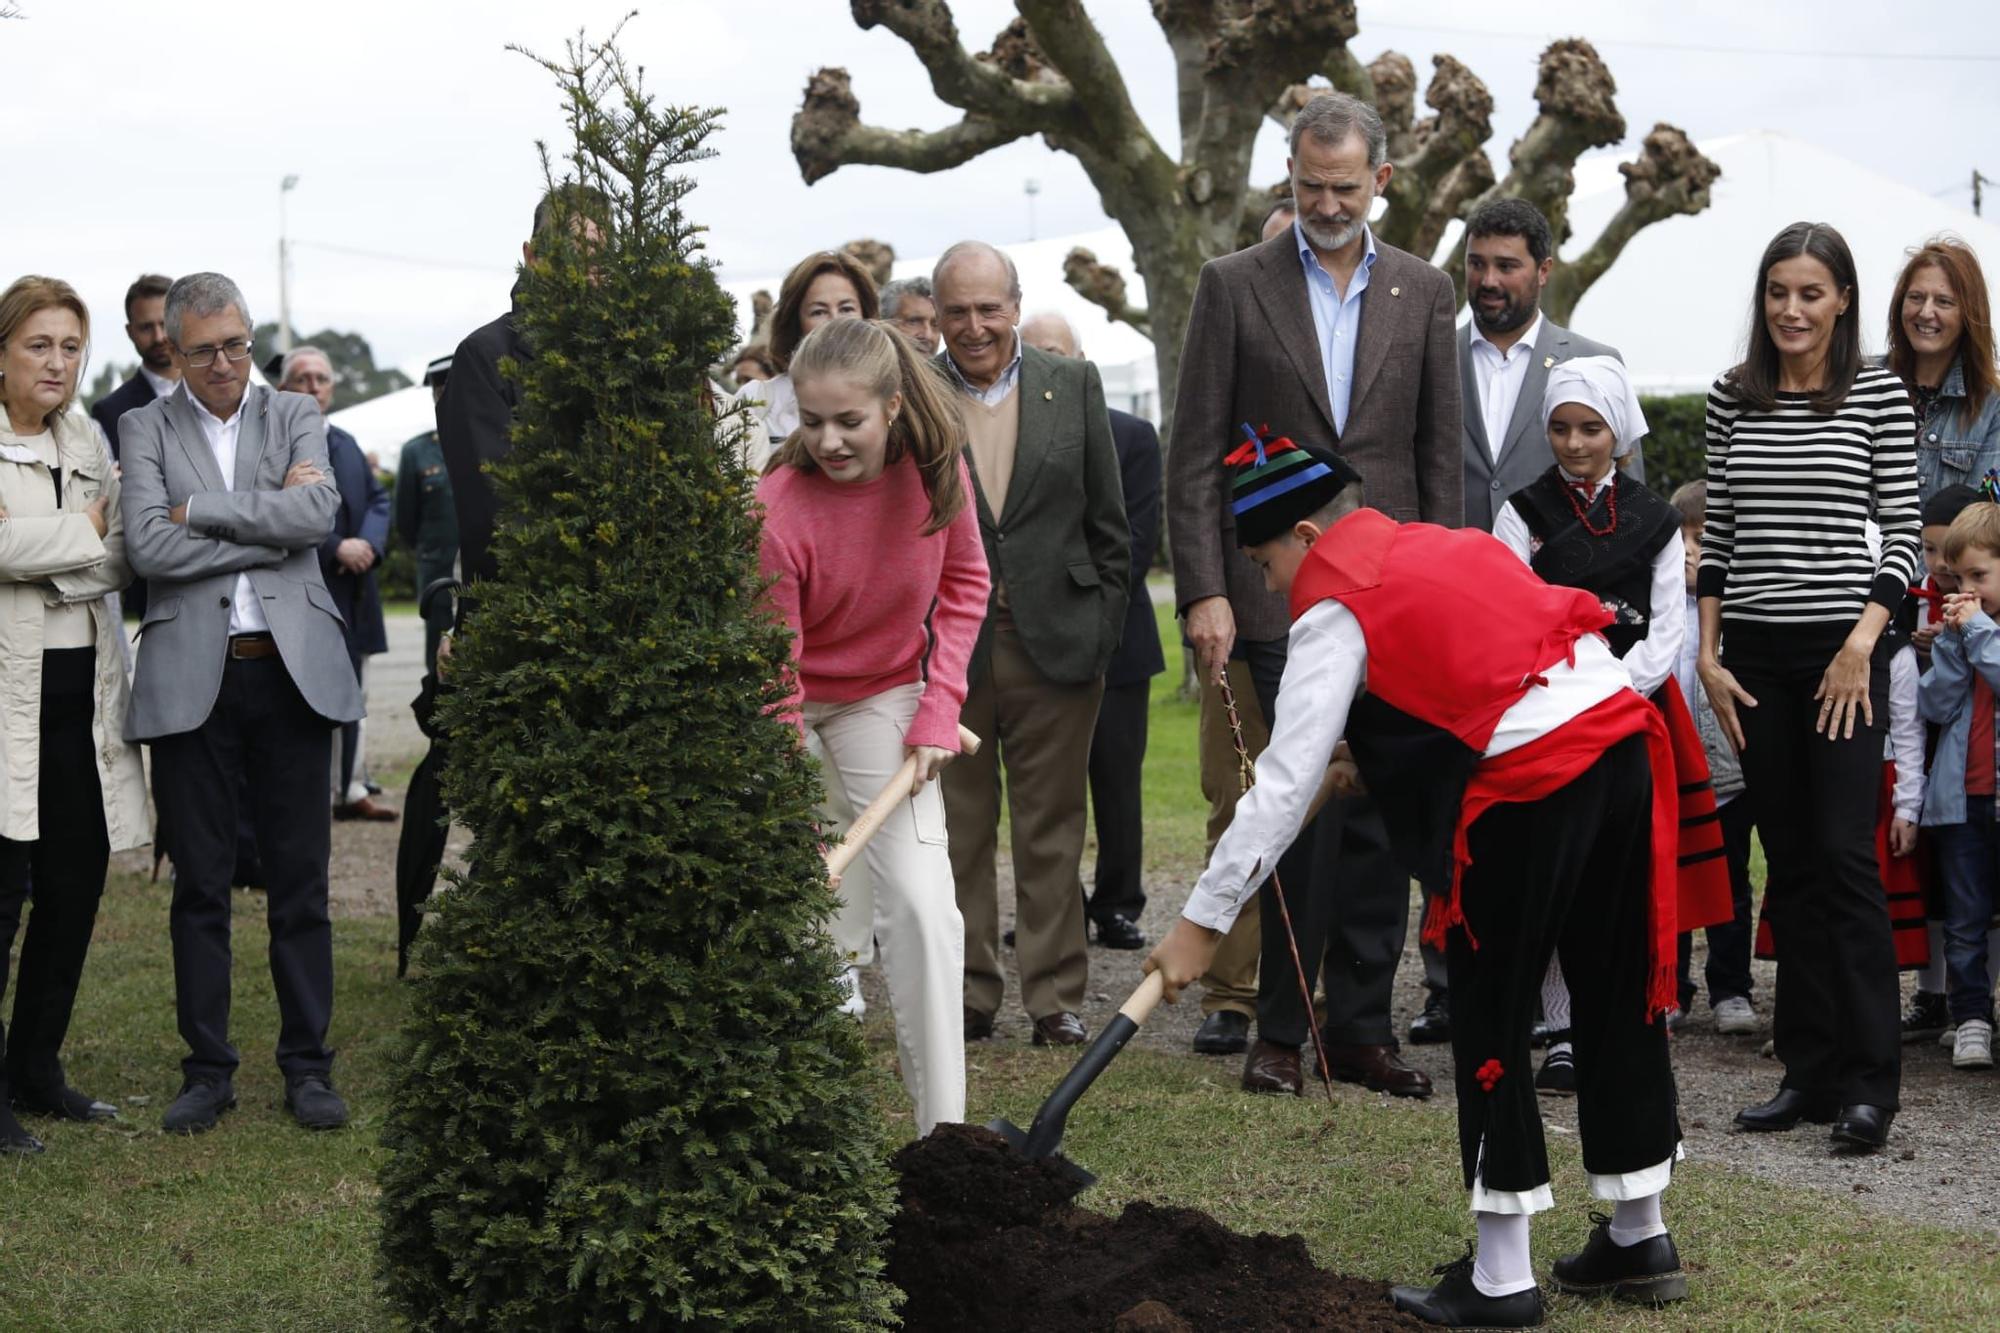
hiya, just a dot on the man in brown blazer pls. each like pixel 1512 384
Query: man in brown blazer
pixel 1325 335
pixel 1052 515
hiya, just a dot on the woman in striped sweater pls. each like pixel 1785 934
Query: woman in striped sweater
pixel 1805 446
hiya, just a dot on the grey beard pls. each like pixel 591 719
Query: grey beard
pixel 1512 316
pixel 1324 239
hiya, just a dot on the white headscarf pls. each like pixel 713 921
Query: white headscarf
pixel 1600 384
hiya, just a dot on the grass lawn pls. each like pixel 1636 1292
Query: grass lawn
pixel 261 1226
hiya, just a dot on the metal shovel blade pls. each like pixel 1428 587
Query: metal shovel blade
pixel 1019 1138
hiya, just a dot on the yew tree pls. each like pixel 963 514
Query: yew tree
pixel 1238 63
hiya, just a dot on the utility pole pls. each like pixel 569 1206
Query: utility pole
pixel 1031 187
pixel 285 188
pixel 1978 196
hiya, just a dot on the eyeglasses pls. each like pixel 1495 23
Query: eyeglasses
pixel 236 349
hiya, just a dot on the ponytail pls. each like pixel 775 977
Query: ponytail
pixel 929 430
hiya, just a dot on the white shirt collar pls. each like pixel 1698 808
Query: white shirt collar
pixel 1526 340
pixel 1005 377
pixel 203 415
pixel 161 386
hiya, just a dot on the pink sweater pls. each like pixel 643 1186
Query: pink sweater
pixel 864 594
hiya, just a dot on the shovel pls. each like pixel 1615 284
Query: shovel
pixel 893 793
pixel 1044 1136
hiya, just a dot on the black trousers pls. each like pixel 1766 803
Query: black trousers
pixel 1117 756
pixel 1350 907
pixel 350 741
pixel 1728 969
pixel 1835 1016
pixel 1568 872
pixel 264 740
pixel 65 864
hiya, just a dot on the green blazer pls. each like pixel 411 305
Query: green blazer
pixel 1061 544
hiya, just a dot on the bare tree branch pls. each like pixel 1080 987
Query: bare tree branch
pixel 981 86
pixel 828 134
pixel 1670 177
pixel 1443 142
pixel 1104 286
pixel 878 257
pixel 1394 79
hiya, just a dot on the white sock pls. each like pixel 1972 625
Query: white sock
pixel 1560 1048
pixel 1930 978
pixel 1634 1220
pixel 1502 1266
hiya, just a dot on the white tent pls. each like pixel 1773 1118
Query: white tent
pixel 381 426
pixel 1677 302
pixel 1123 356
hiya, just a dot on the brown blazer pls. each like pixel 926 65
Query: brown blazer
pixel 1251 355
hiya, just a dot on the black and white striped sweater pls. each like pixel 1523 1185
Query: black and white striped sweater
pixel 1790 493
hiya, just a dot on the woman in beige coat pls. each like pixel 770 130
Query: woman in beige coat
pixel 71 789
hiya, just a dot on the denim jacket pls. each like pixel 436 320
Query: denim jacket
pixel 1944 696
pixel 1954 448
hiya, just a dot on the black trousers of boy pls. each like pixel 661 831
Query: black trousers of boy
pixel 1836 1015
pixel 1350 903
pixel 1570 871
pixel 66 864
pixel 1728 969
pixel 1117 758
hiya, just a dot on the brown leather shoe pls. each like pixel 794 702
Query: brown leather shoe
pixel 1377 1068
pixel 365 808
pixel 978 1026
pixel 1063 1029
pixel 1272 1068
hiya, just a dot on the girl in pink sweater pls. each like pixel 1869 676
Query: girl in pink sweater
pixel 872 541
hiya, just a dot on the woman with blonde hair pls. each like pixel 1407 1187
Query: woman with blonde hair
pixel 872 542
pixel 73 790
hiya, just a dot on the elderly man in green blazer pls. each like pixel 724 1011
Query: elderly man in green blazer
pixel 1053 520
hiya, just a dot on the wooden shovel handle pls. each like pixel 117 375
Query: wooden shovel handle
pixel 893 794
pixel 1141 1005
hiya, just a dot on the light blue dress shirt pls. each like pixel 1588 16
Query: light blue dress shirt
pixel 1336 319
pixel 995 393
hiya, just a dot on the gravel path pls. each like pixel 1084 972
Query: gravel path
pixel 1940 1166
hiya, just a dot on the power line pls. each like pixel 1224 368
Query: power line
pixel 1696 48
pixel 385 256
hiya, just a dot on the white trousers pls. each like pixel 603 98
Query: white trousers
pixel 916 922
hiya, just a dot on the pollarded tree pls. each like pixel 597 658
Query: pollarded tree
pixel 629 1099
pixel 1238 62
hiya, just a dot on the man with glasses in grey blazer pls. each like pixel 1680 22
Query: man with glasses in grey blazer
pixel 243 675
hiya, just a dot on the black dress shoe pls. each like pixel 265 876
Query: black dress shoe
pixel 14 1139
pixel 1455 1303
pixel 1433 1025
pixel 1648 1273
pixel 1117 931
pixel 1865 1128
pixel 199 1105
pixel 1785 1110
pixel 313 1102
pixel 978 1026
pixel 1224 1032
pixel 66 1104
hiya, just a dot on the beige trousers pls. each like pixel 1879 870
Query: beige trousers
pixel 1041 731
pixel 916 917
pixel 1231 980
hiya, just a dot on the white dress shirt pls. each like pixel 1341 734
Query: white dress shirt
pixel 161 386
pixel 1336 319
pixel 1499 376
pixel 1325 666
pixel 246 613
pixel 1652 659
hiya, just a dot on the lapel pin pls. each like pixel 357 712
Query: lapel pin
pixel 1395 291
pixel 1048 395
pixel 1548 363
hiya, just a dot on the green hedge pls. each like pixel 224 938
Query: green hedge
pixel 1675 448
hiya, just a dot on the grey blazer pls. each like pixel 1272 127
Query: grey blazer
pixel 1526 454
pixel 1060 542
pixel 1251 355
pixel 258 527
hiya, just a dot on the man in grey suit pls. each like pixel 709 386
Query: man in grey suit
pixel 243 674
pixel 1052 517
pixel 1327 336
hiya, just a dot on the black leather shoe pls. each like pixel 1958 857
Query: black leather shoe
pixel 1433 1025
pixel 1224 1032
pixel 14 1139
pixel 1117 931
pixel 1455 1303
pixel 1784 1112
pixel 199 1105
pixel 1648 1273
pixel 978 1026
pixel 1863 1128
pixel 313 1102
pixel 66 1104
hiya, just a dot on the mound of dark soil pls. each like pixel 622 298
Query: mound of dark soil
pixel 988 1242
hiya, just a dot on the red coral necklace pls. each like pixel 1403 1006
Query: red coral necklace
pixel 1582 506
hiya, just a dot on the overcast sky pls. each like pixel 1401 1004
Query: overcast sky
pixel 153 137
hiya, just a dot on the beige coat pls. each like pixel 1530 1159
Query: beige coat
pixel 49 555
